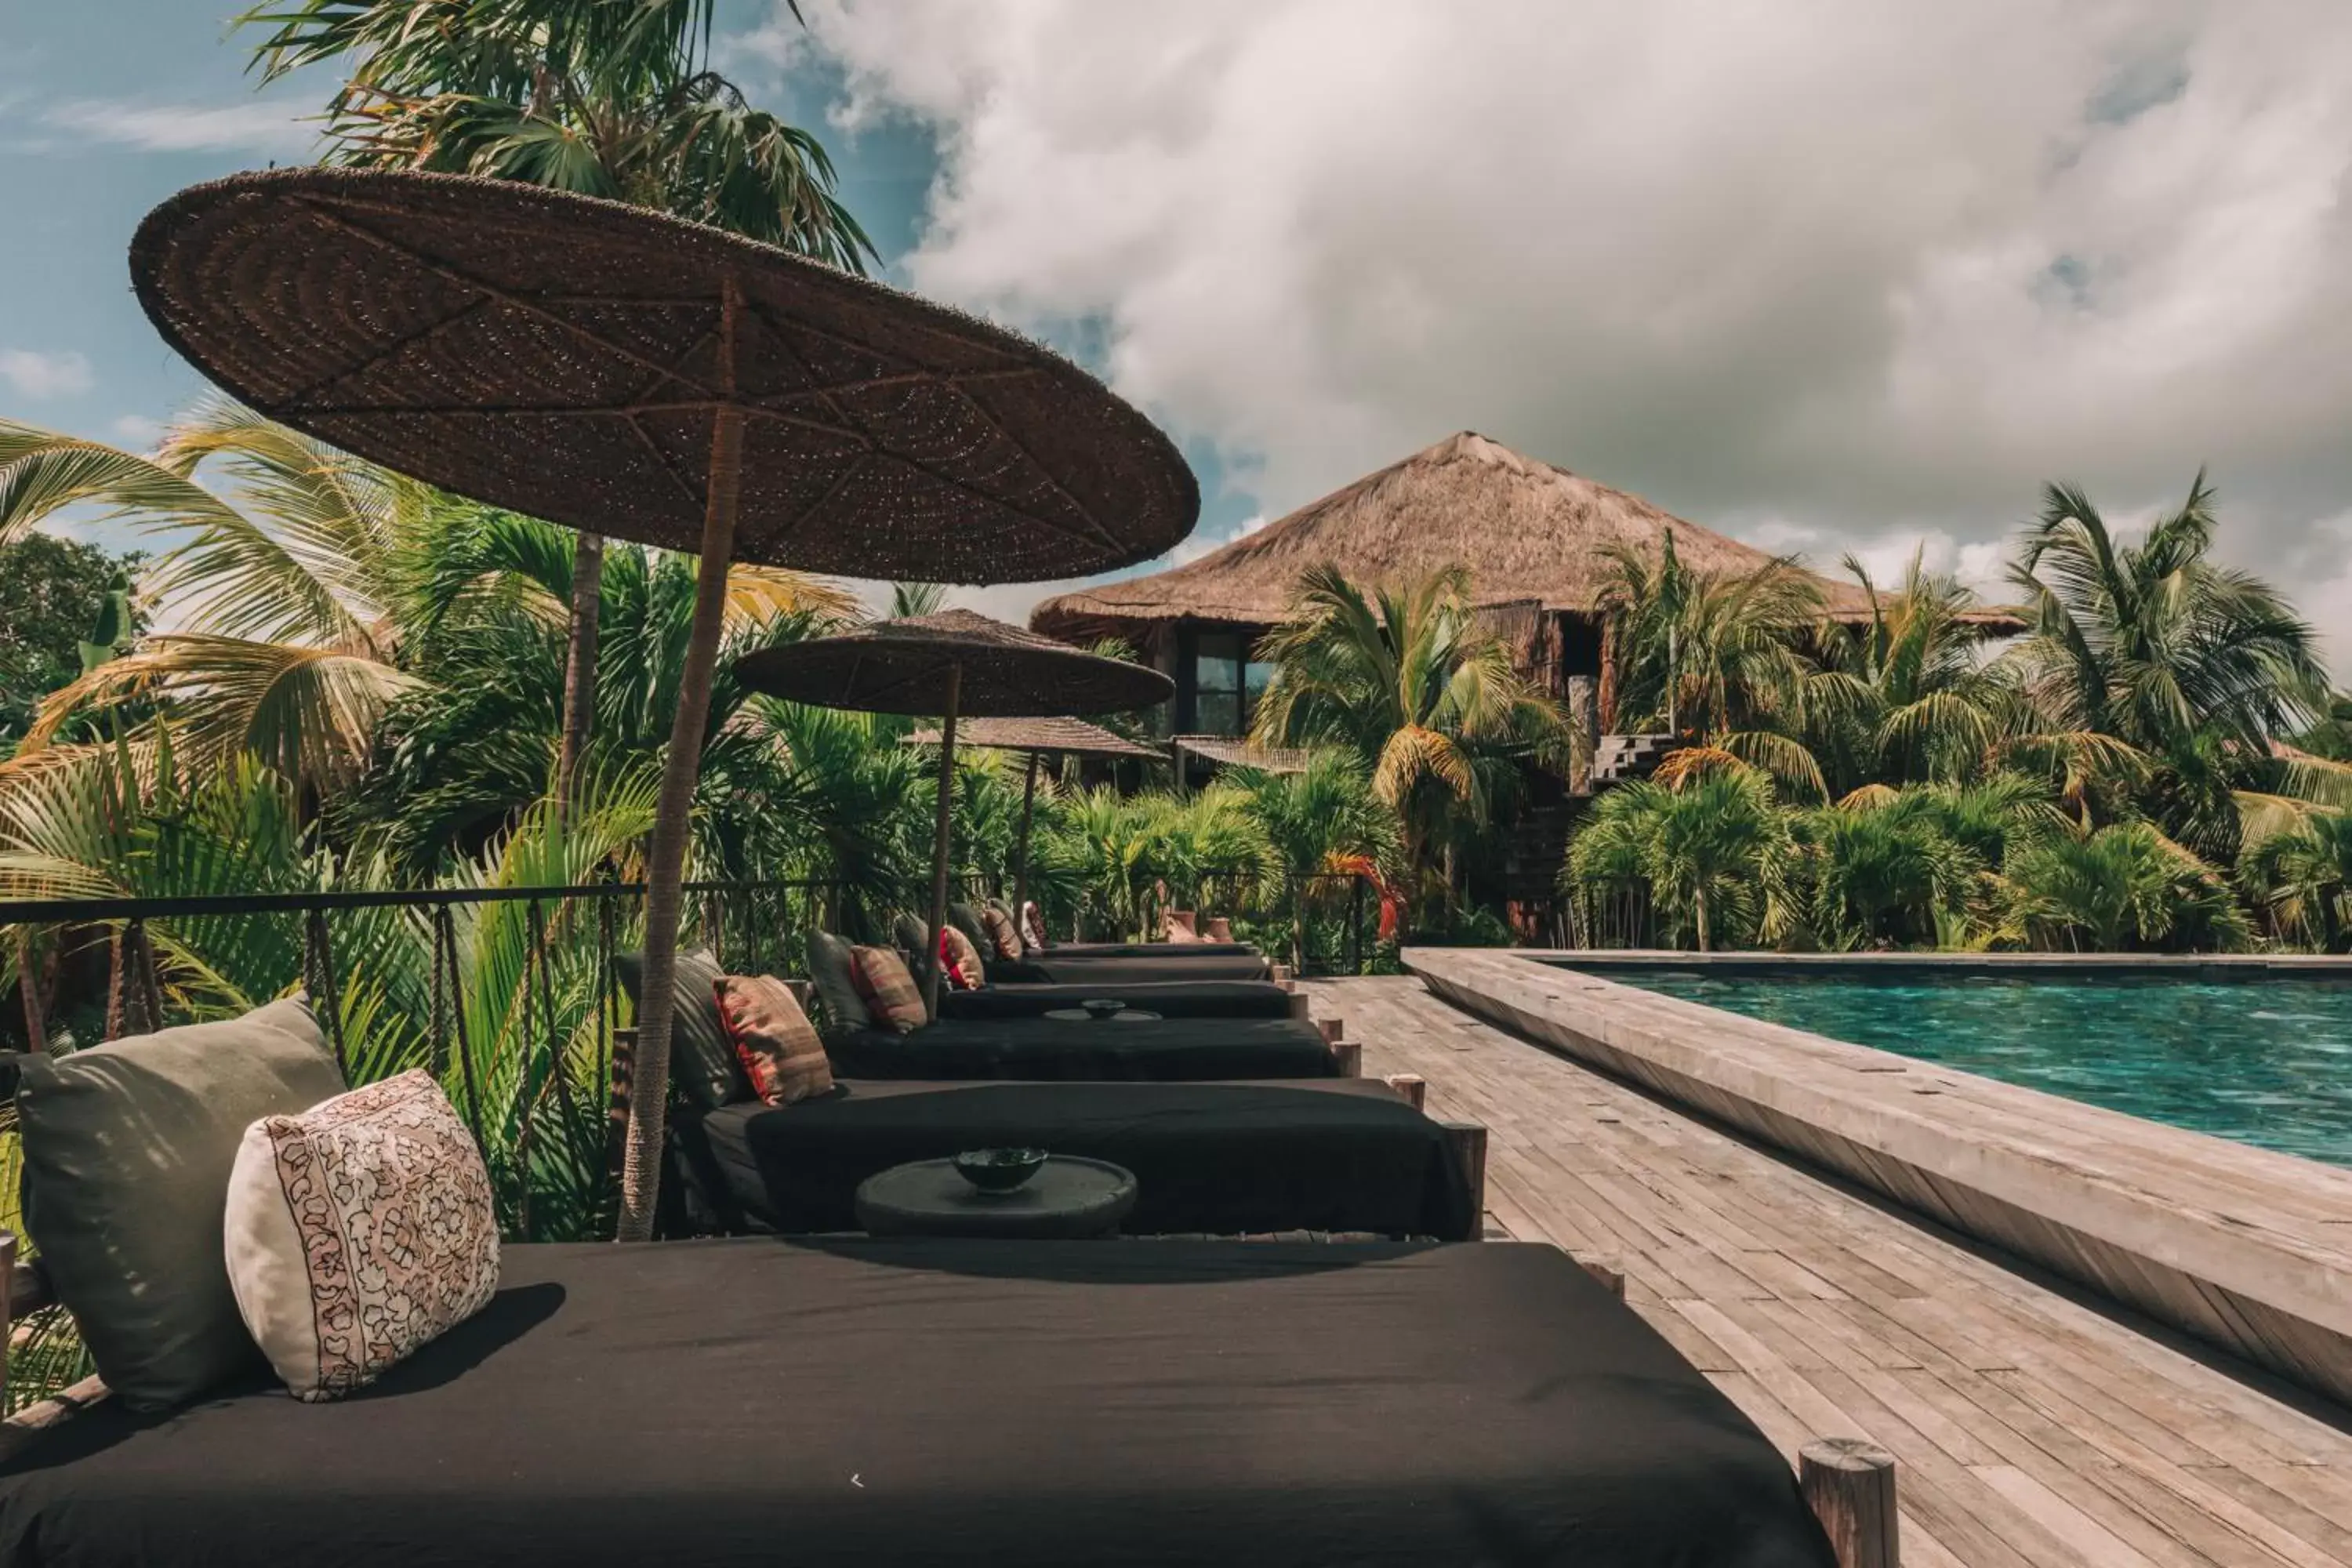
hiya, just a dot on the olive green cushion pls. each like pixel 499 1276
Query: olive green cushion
pixel 828 959
pixel 701 1057
pixel 908 932
pixel 966 919
pixel 128 1148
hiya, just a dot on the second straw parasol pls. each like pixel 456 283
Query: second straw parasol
pixel 944 667
pixel 622 372
pixel 1055 736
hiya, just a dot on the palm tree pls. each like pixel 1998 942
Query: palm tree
pixel 1406 678
pixel 1884 874
pixel 326 604
pixel 2303 876
pixel 1906 695
pixel 1323 821
pixel 287 596
pixel 907 599
pixel 1703 654
pixel 2194 665
pixel 603 98
pixel 1708 842
pixel 2123 886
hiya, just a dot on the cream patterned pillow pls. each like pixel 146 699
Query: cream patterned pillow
pixel 358 1230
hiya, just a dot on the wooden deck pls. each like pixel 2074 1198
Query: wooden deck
pixel 2033 1426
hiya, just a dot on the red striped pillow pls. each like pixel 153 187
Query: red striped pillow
pixel 773 1039
pixel 890 992
pixel 960 960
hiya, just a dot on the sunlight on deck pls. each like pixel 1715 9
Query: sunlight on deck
pixel 2032 1429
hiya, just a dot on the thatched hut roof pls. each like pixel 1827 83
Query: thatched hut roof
pixel 1060 736
pixel 1526 530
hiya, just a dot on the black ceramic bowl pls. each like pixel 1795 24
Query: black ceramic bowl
pixel 999 1169
pixel 1104 1008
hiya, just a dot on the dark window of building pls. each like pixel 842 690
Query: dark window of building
pixel 1217 684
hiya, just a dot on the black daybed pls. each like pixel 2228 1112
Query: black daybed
pixel 1169 999
pixel 1138 965
pixel 1104 1404
pixel 1031 1048
pixel 1337 1155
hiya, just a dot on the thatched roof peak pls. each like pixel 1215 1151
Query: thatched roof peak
pixel 1527 530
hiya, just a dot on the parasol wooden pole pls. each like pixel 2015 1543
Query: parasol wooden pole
pixel 640 1159
pixel 1021 856
pixel 939 841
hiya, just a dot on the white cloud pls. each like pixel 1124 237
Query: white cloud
pixel 256 126
pixel 1878 270
pixel 39 378
pixel 136 431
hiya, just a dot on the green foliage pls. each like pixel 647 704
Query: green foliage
pixel 1713 851
pixel 2123 888
pixel 1703 653
pixel 603 98
pixel 57 598
pixel 2301 876
pixel 530 1075
pixel 1884 875
pixel 1405 679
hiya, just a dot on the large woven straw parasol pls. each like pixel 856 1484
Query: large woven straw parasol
pixel 1048 737
pixel 948 665
pixel 627 373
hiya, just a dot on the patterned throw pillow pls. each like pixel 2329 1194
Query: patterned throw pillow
pixel 1033 926
pixel 357 1231
pixel 959 961
pixel 772 1038
pixel 1002 935
pixel 890 993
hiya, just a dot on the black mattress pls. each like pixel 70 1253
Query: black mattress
pixel 1166 1050
pixel 1170 999
pixel 1342 1154
pixel 1135 967
pixel 1107 1404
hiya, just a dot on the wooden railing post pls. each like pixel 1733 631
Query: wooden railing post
pixel 1849 1483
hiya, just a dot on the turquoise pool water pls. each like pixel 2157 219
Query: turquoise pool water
pixel 2267 1061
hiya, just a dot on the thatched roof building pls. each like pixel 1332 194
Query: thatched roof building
pixel 1534 537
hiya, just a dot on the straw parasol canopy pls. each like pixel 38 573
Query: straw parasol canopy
pixel 1525 529
pixel 906 667
pixel 568 357
pixel 950 664
pixel 1061 737
pixel 625 373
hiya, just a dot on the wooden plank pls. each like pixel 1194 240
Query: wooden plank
pixel 2032 1430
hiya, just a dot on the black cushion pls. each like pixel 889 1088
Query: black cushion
pixel 1180 999
pixel 1051 968
pixel 836 992
pixel 701 1057
pixel 1104 1404
pixel 1337 1155
pixel 966 919
pixel 1167 1050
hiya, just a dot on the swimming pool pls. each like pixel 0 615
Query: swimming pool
pixel 2267 1061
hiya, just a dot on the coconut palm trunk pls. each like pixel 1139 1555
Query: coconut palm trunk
pixel 1020 854
pixel 674 809
pixel 939 840
pixel 580 663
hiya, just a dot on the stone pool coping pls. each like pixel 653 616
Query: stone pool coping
pixel 2246 1248
pixel 2171 966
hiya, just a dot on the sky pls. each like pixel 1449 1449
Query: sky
pixel 1825 275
